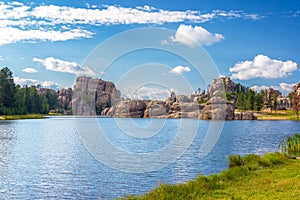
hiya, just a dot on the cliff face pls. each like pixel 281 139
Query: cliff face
pixel 91 96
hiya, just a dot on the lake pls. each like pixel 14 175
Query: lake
pixel 67 158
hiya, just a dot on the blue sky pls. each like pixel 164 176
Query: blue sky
pixel 52 42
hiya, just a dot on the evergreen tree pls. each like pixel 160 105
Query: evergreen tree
pixel 7 91
pixel 250 99
pixel 275 103
pixel 241 101
pixel 259 101
pixel 296 103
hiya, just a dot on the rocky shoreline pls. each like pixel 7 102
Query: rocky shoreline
pixel 91 97
pixel 89 94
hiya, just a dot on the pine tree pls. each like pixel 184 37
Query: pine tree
pixel 7 91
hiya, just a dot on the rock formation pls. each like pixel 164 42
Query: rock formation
pixel 129 109
pixel 245 116
pixel 221 85
pixel 174 107
pixel 218 107
pixel 95 96
pixel 297 88
pixel 92 96
pixel 64 98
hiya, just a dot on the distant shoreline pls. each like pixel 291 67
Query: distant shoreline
pixel 280 115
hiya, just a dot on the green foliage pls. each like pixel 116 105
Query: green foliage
pixel 247 99
pixel 254 162
pixel 241 103
pixel 17 117
pixel 17 100
pixel 295 103
pixel 290 145
pixel 235 160
pixel 259 101
pixel 7 91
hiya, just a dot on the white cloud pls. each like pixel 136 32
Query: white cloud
pixel 12 35
pixel 260 87
pixel 262 67
pixel 58 65
pixel 146 92
pixel 283 87
pixel 30 70
pixel 287 87
pixel 179 70
pixel 30 22
pixel 30 82
pixel 194 36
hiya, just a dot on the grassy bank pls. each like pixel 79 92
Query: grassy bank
pixel 15 117
pixel 278 115
pixel 272 176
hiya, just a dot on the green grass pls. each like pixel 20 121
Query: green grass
pixel 16 117
pixel 278 115
pixel 272 176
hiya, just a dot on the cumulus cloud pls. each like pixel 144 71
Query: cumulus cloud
pixel 287 87
pixel 194 36
pixel 262 67
pixel 261 87
pixel 30 22
pixel 283 87
pixel 30 82
pixel 30 70
pixel 147 92
pixel 58 65
pixel 179 70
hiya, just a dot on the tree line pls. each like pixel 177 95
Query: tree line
pixel 248 99
pixel 17 100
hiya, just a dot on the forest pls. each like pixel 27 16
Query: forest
pixel 17 100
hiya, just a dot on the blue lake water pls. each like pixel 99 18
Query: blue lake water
pixel 51 159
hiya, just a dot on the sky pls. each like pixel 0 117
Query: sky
pixel 149 48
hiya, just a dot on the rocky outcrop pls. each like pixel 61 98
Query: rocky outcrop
pixel 221 85
pixel 173 107
pixel 297 88
pixel 217 109
pixel 129 109
pixel 245 116
pixel 168 109
pixel 270 93
pixel 92 96
pixel 64 98
pixel 156 109
pixel 96 96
